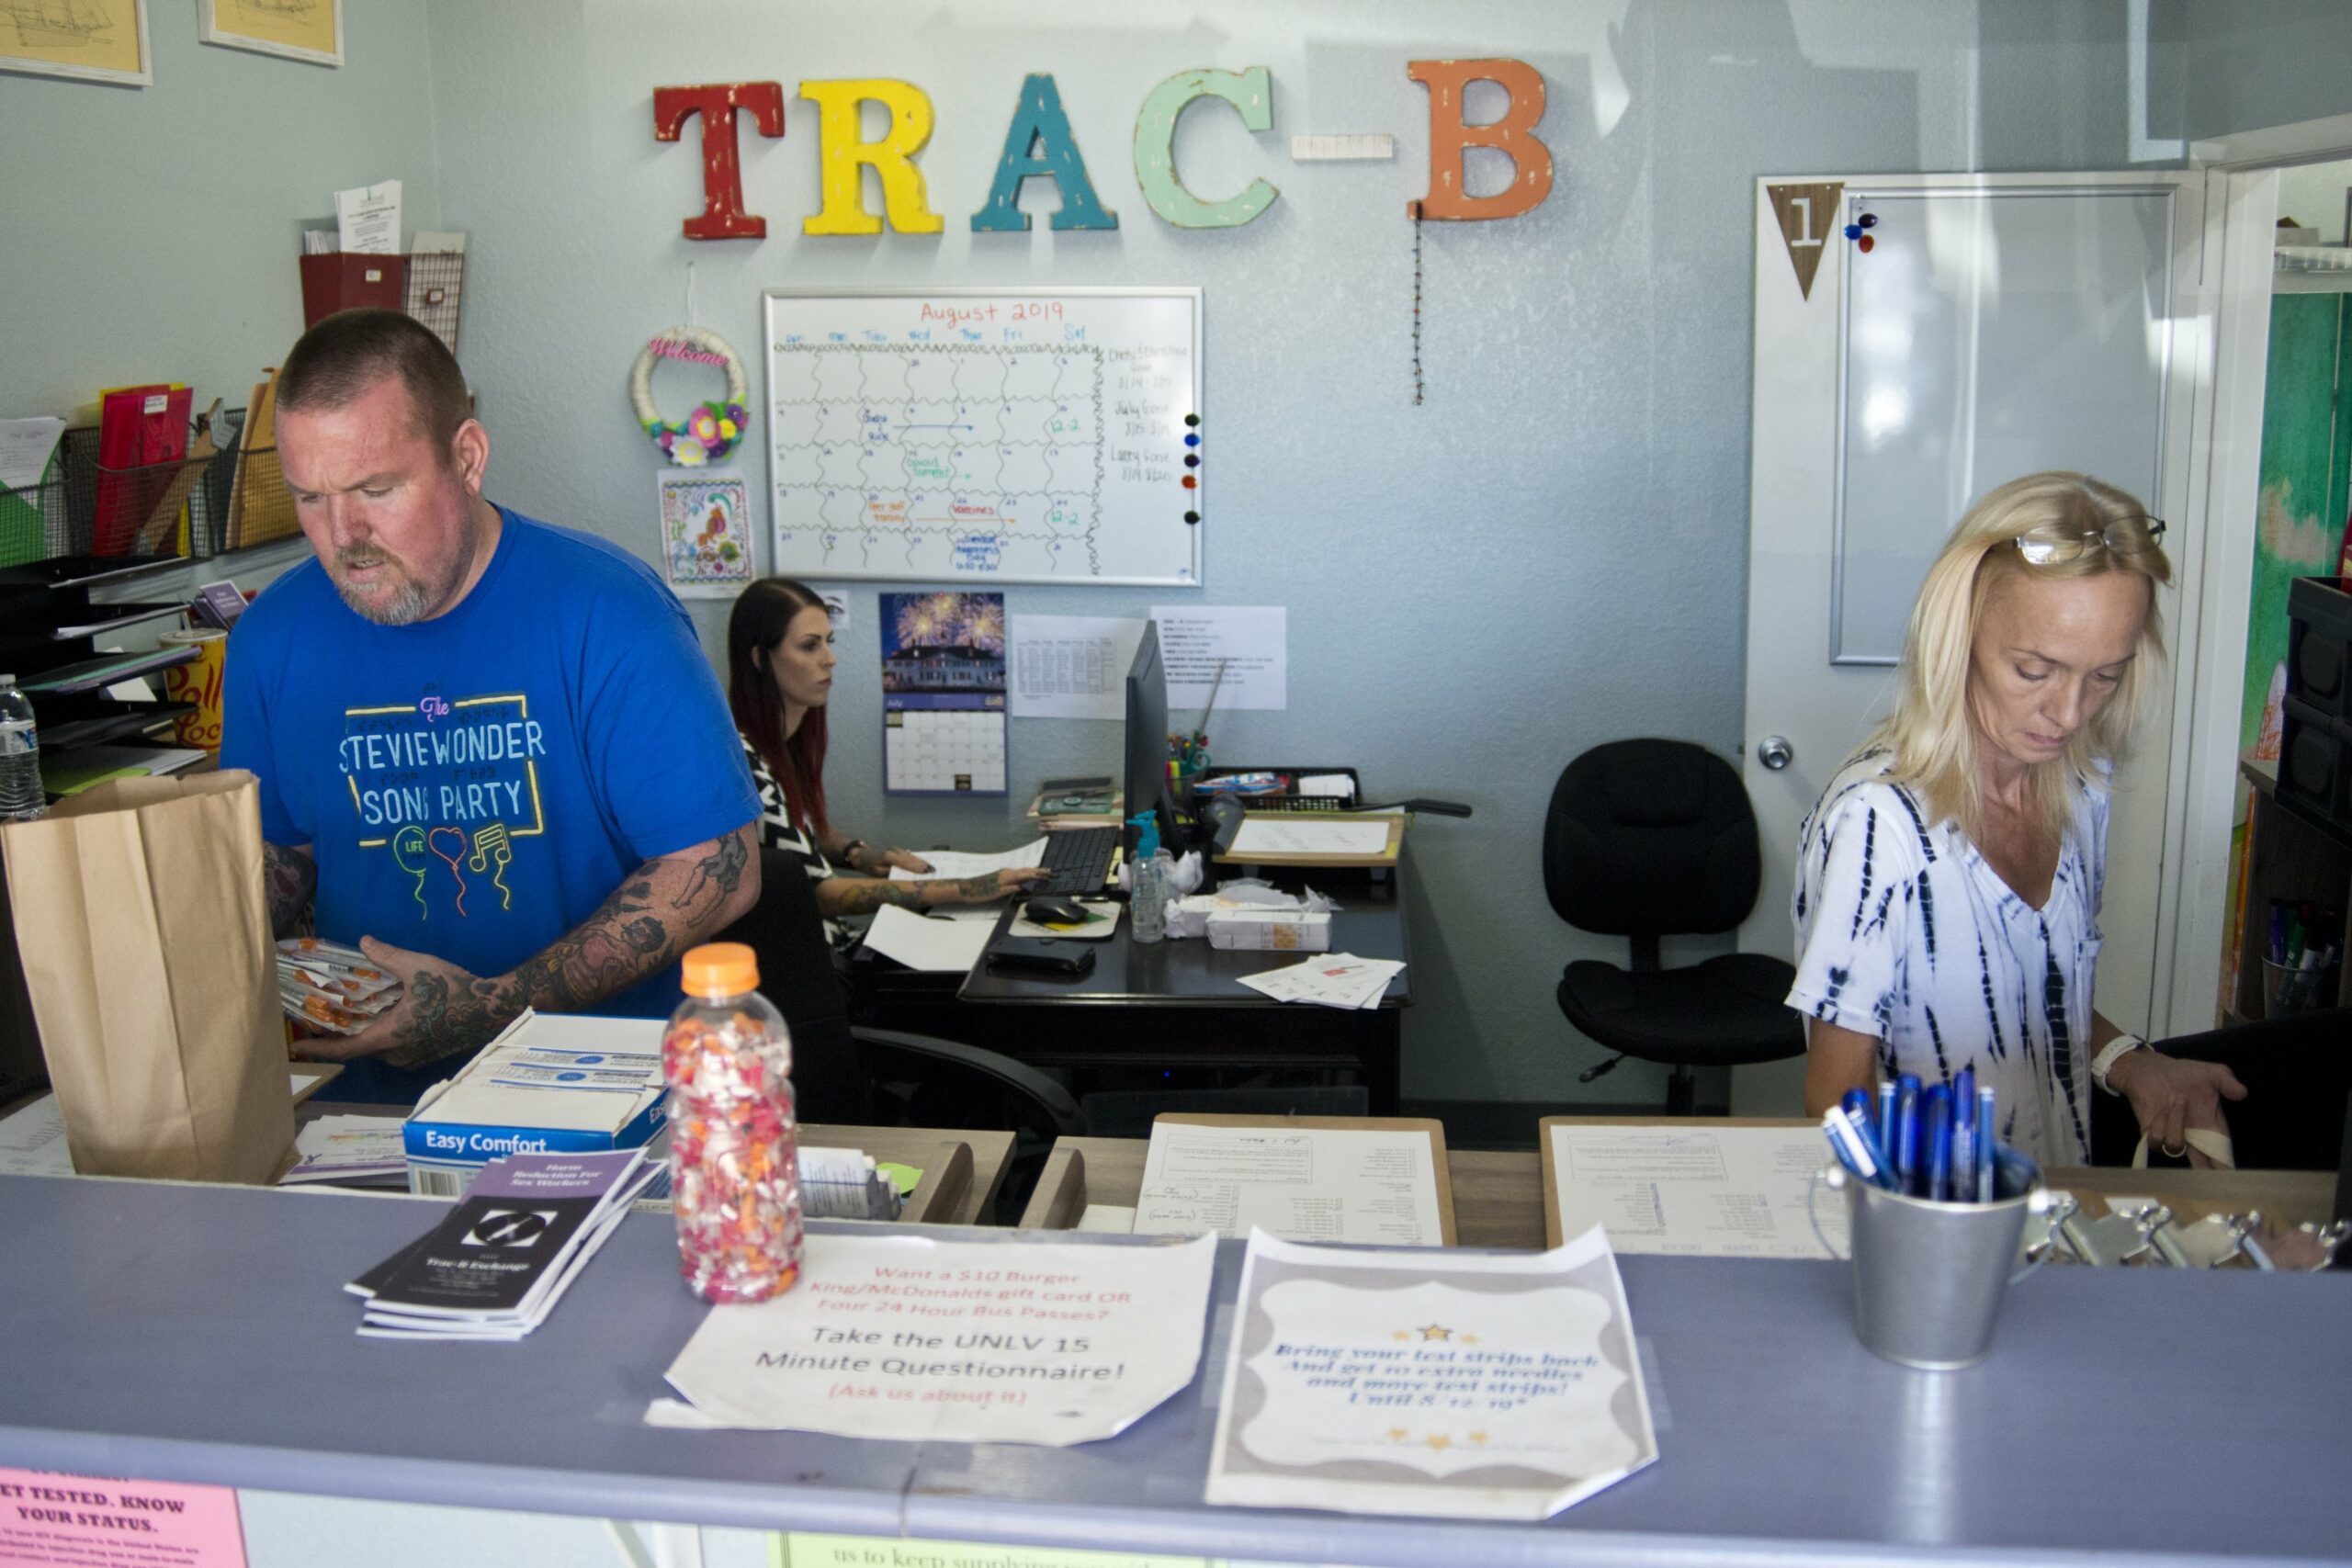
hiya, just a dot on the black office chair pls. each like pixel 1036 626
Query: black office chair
pixel 855 1075
pixel 1646 838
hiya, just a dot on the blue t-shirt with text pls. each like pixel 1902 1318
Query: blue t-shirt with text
pixel 475 785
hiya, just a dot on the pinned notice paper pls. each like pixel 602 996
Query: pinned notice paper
pixel 1251 644
pixel 1071 666
pixel 367 217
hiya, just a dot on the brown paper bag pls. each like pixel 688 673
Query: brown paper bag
pixel 144 932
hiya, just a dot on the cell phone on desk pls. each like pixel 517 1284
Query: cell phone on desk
pixel 1042 955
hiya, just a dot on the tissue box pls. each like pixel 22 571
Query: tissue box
pixel 549 1084
pixel 1277 931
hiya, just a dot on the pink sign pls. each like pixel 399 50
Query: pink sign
pixel 84 1521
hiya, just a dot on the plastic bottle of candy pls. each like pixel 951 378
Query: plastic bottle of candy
pixel 734 1160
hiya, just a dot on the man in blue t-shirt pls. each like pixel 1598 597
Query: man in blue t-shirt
pixel 491 750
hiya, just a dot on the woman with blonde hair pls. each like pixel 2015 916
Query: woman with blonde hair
pixel 1949 880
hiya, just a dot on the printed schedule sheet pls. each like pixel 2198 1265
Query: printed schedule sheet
pixel 1713 1191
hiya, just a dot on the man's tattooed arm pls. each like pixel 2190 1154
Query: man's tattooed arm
pixel 666 907
pixel 290 878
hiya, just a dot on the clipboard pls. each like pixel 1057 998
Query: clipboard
pixel 1435 1129
pixel 1551 1173
pixel 1384 856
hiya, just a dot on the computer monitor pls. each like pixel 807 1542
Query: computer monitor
pixel 1146 770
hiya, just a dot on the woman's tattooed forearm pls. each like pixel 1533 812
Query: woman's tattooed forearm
pixel 856 895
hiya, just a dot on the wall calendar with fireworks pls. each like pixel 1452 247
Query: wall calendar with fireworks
pixel 963 435
pixel 942 693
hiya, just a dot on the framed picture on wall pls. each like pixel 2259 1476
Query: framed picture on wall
pixel 91 41
pixel 298 29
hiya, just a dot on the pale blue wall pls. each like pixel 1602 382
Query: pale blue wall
pixel 1547 554
pixel 151 232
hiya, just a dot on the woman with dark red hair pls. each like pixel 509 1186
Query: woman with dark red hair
pixel 779 674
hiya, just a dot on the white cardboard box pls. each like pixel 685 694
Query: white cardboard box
pixel 1275 930
pixel 573 1084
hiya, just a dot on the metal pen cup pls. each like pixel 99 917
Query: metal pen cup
pixel 1928 1277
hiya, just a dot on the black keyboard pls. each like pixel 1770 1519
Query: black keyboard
pixel 1079 859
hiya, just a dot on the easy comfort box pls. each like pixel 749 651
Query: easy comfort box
pixel 552 1083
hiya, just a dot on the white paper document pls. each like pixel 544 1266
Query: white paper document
pixel 1497 1386
pixel 941 940
pixel 367 217
pixel 349 1148
pixel 26 446
pixel 902 1338
pixel 1070 666
pixel 1307 835
pixel 955 864
pixel 32 1142
pixel 1710 1192
pixel 1373 1187
pixel 1332 980
pixel 1251 643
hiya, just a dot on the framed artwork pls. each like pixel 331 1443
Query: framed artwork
pixel 705 531
pixel 298 29
pixel 91 41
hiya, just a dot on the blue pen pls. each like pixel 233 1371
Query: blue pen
pixel 1988 1142
pixel 1857 1106
pixel 1964 1137
pixel 1886 1114
pixel 1847 1142
pixel 1936 1111
pixel 1905 1148
pixel 1877 1151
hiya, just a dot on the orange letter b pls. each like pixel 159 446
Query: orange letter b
pixel 1513 135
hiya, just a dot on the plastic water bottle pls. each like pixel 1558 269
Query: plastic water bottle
pixel 1147 900
pixel 734 1146
pixel 20 796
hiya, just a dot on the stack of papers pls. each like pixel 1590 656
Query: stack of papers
pixel 955 864
pixel 331 987
pixel 494 1268
pixel 1341 980
pixel 365 1150
pixel 846 1184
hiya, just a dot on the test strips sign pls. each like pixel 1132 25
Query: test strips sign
pixel 47 1516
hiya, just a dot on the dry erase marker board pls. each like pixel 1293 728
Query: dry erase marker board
pixel 979 435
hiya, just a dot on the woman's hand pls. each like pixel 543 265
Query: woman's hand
pixel 2170 1097
pixel 904 860
pixel 984 889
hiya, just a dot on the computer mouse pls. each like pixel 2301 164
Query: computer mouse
pixel 1048 911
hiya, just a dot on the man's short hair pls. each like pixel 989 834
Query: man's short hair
pixel 350 351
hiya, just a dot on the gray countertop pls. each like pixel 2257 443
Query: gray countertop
pixel 199 1334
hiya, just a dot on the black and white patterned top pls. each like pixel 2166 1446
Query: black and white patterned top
pixel 779 832
pixel 1906 932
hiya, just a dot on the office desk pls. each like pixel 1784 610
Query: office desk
pixel 1498 1194
pixel 197 1333
pixel 1178 1003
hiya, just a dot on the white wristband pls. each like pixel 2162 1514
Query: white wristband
pixel 2109 1054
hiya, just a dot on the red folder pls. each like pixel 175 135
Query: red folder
pixel 142 431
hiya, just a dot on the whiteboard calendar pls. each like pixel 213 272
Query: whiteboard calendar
pixel 985 436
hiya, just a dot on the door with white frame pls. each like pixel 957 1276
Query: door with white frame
pixel 1959 331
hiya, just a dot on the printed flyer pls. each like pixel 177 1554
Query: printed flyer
pixel 1497 1386
pixel 970 1342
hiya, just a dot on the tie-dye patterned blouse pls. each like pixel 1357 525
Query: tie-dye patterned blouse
pixel 1906 933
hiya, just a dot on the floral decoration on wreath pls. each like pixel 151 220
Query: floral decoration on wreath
pixel 709 433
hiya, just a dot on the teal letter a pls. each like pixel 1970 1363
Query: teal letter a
pixel 1039 142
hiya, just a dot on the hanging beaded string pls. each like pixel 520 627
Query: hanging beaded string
pixel 1417 305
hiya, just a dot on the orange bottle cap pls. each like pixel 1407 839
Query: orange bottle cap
pixel 721 969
